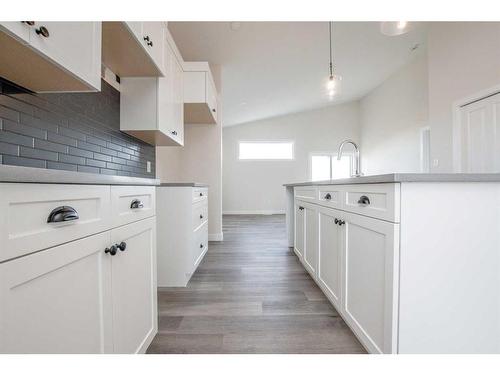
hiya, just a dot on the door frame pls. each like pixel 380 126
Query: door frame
pixel 457 122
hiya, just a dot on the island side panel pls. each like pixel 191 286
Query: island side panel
pixel 450 268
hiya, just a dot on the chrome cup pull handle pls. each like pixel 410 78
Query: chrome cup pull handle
pixel 61 214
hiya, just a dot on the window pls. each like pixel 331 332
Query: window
pixel 325 166
pixel 266 151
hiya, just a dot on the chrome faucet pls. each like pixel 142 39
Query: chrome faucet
pixel 357 171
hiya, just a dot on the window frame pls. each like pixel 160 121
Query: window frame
pixel 284 141
pixel 331 155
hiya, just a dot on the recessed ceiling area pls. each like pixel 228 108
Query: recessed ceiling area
pixel 274 68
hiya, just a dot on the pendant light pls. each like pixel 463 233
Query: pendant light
pixel 334 80
pixel 393 28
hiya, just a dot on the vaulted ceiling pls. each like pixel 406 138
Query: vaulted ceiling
pixel 275 68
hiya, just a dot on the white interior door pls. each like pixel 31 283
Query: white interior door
pixel 480 136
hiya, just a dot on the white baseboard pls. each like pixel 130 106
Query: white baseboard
pixel 256 212
pixel 216 236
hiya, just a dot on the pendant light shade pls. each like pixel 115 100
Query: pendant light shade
pixel 333 83
pixel 393 28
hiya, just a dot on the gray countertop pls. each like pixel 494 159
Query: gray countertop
pixel 407 177
pixel 186 184
pixel 50 176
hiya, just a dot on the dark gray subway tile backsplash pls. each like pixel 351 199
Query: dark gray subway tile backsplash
pixel 75 132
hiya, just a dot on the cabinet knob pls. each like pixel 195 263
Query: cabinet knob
pixel 136 203
pixel 173 132
pixel 336 221
pixel 341 222
pixel 201 246
pixel 150 44
pixel 364 200
pixel 201 194
pixel 301 208
pixel 146 38
pixel 213 110
pixel 201 216
pixel 328 196
pixel 29 23
pixel 111 250
pixel 61 214
pixel 122 246
pixel 42 30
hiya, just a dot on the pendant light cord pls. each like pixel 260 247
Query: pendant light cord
pixel 331 55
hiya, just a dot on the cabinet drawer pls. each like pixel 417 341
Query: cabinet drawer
pixel 200 194
pixel 200 214
pixel 307 193
pixel 200 245
pixel 24 226
pixel 330 196
pixel 380 201
pixel 131 203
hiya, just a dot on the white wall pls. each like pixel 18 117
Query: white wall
pixel 391 117
pixel 256 186
pixel 464 58
pixel 200 160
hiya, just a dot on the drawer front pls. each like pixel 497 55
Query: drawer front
pixel 200 194
pixel 306 193
pixel 380 201
pixel 131 203
pixel 200 214
pixel 26 208
pixel 200 245
pixel 330 196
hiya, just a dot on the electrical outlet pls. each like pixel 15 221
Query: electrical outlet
pixel 148 166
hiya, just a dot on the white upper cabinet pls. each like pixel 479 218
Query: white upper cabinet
pixel 151 109
pixel 134 49
pixel 154 41
pixel 200 94
pixel 52 56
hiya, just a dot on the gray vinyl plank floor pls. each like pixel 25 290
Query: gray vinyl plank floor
pixel 250 294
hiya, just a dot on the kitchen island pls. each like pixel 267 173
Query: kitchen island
pixel 410 261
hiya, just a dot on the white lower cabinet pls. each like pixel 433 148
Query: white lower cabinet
pixel 299 230
pixel 86 293
pixel 370 270
pixel 58 300
pixel 182 216
pixel 134 287
pixel 310 256
pixel 330 255
pixel 354 260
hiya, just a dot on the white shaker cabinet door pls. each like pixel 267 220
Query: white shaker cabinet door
pixel 20 30
pixel 134 286
pixel 370 265
pixel 310 259
pixel 330 254
pixel 58 300
pixel 299 229
pixel 75 46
